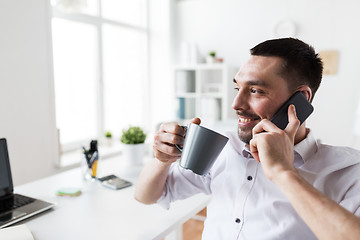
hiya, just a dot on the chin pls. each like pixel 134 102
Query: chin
pixel 245 137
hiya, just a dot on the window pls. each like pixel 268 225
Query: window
pixel 100 51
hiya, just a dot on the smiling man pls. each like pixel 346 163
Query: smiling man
pixel 261 91
pixel 267 183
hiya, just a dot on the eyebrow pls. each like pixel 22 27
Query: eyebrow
pixel 253 83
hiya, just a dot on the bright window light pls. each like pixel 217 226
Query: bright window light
pixel 125 56
pixel 129 12
pixel 75 70
pixel 90 7
pixel 100 68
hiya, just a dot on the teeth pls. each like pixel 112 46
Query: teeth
pixel 245 120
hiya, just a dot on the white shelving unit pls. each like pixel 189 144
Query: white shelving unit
pixel 205 91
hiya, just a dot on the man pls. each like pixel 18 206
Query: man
pixel 267 183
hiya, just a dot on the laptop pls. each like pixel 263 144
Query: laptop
pixel 15 207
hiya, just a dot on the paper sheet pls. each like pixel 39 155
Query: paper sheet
pixel 20 232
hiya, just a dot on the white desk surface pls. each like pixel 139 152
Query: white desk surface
pixel 103 213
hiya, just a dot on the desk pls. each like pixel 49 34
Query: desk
pixel 103 213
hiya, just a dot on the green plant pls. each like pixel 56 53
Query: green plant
pixel 212 53
pixel 108 134
pixel 133 135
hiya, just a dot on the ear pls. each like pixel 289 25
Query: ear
pixel 306 91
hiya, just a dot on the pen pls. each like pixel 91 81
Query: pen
pixel 87 156
pixel 93 158
pixel 93 163
pixel 94 169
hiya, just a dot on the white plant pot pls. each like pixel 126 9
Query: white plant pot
pixel 108 142
pixel 133 154
pixel 210 60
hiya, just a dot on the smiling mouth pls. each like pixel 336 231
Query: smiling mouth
pixel 246 121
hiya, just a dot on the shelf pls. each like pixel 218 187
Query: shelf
pixel 205 91
pixel 186 95
pixel 212 95
pixel 204 66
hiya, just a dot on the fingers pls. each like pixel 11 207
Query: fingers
pixel 165 139
pixel 253 149
pixel 175 128
pixel 164 146
pixel 265 125
pixel 294 122
pixel 169 138
pixel 169 135
pixel 291 129
pixel 172 128
pixel 165 152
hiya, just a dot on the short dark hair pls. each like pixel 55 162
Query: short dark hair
pixel 302 66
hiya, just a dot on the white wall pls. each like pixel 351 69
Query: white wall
pixel 26 93
pixel 232 27
pixel 160 62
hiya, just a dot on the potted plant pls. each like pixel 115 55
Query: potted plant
pixel 133 145
pixel 211 58
pixel 212 54
pixel 108 138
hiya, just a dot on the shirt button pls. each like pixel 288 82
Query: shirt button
pixel 237 220
pixel 249 178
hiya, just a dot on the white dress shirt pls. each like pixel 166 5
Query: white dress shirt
pixel 246 205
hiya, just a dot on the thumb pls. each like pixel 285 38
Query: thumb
pixel 294 122
pixel 196 121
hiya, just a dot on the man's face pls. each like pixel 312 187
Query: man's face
pixel 261 91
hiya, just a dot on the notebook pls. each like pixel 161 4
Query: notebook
pixel 15 207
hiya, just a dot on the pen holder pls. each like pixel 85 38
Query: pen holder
pixel 85 170
pixel 89 169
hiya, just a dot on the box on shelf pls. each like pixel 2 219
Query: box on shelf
pixel 185 81
pixel 210 109
pixel 186 108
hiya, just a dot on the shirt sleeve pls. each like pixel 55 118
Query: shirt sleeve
pixel 351 199
pixel 183 183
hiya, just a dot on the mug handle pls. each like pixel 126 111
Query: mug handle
pixel 177 146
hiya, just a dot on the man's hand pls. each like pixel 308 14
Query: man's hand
pixel 165 139
pixel 273 147
pixel 151 181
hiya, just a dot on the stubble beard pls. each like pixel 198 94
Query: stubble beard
pixel 245 132
pixel 245 135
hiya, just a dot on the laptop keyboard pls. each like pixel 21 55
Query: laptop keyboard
pixel 14 202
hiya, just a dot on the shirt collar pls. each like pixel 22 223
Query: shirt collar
pixel 246 152
pixel 307 147
pixel 238 145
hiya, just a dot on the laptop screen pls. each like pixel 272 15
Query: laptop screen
pixel 6 186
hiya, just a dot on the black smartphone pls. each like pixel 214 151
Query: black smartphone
pixel 303 110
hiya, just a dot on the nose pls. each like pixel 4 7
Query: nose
pixel 240 101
